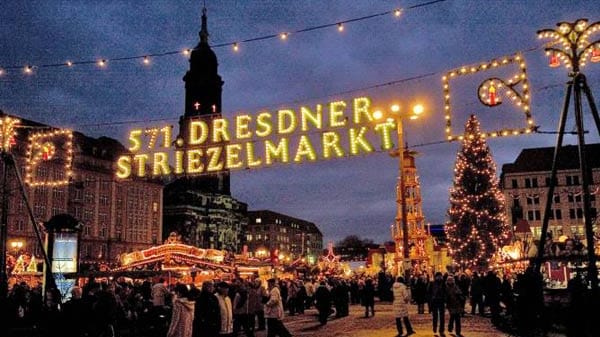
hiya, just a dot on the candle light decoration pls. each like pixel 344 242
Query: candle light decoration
pixel 516 89
pixel 571 46
pixel 8 132
pixel 51 149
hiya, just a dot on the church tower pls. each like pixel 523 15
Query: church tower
pixel 203 85
pixel 200 207
pixel 203 88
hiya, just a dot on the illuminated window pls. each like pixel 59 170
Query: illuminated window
pixel 154 207
pixel 258 220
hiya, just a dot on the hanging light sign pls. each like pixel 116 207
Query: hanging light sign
pixel 491 92
pixel 213 143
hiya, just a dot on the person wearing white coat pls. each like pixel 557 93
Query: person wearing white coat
pixel 400 306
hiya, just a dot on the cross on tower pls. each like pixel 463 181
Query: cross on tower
pixel 197 106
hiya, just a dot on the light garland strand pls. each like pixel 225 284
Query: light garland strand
pixel 29 69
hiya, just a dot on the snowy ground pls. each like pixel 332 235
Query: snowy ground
pixel 382 325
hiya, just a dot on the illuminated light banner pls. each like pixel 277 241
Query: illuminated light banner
pixel 492 92
pixel 49 158
pixel 210 144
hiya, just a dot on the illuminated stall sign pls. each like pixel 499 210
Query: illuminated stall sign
pixel 214 143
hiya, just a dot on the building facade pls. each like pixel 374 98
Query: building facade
pixel 117 216
pixel 200 207
pixel 270 232
pixel 525 186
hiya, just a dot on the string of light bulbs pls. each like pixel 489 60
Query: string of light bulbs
pixel 29 69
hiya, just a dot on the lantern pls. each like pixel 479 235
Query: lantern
pixel 595 55
pixel 554 61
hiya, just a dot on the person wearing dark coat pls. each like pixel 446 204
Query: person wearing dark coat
pixel 477 294
pixel 340 298
pixel 463 282
pixel 437 299
pixel 76 312
pixel 491 290
pixel 354 298
pixel 420 293
pixel 300 298
pixel 368 297
pixel 454 303
pixel 506 294
pixel 323 302
pixel 207 315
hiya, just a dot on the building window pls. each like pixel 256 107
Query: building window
pixel 103 200
pixel 155 207
pixel 533 200
pixel 548 181
pixel 572 180
pixel 556 199
pixel 533 215
pixel 249 237
pixel 258 220
pixel 514 183
pixel 555 214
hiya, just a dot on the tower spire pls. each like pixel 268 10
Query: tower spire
pixel 204 29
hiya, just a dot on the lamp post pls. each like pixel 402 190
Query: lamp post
pixel 571 46
pixel 16 246
pixel 397 117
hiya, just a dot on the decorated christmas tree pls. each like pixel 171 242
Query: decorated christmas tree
pixel 477 225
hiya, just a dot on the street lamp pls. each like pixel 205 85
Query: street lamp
pixel 396 116
pixel 571 46
pixel 16 245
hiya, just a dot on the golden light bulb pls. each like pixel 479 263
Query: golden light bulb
pixel 236 47
pixel 377 114
pixel 395 108
pixel 146 60
pixel 69 64
pixel 283 36
pixel 340 27
pixel 397 12
pixel 418 109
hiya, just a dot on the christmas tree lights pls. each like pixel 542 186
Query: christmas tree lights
pixel 477 225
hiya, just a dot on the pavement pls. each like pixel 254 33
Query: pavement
pixel 381 325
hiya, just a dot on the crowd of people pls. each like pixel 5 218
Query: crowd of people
pixel 242 307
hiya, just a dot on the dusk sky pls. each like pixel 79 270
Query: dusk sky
pixel 376 57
